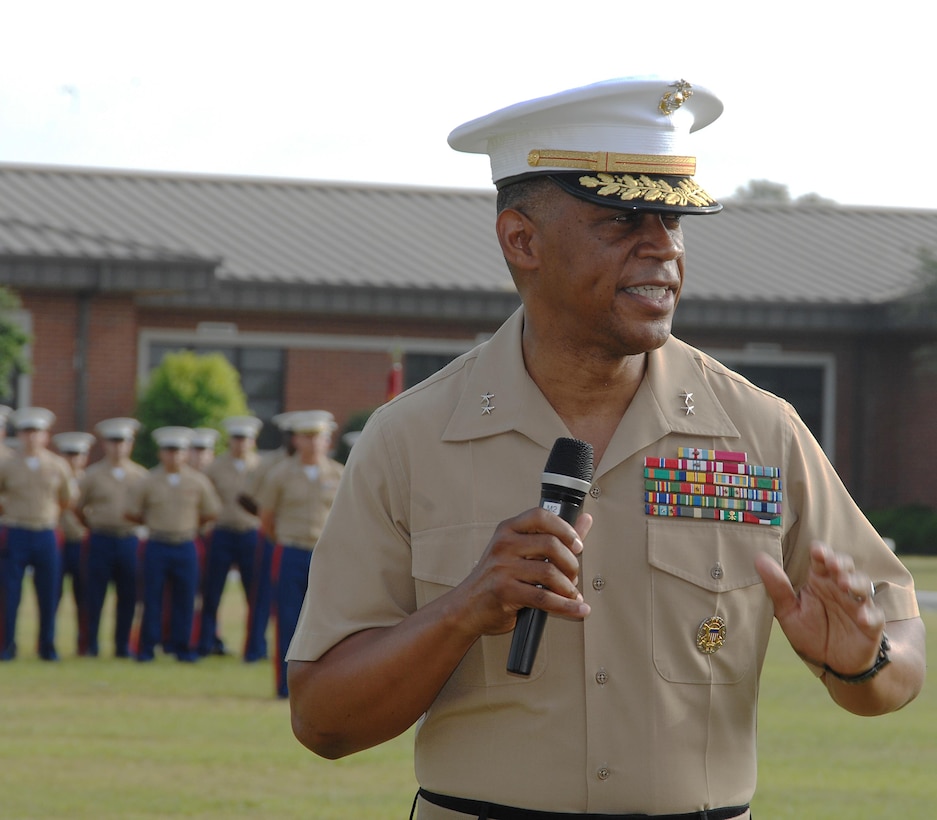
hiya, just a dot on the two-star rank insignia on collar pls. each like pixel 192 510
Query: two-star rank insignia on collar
pixel 688 407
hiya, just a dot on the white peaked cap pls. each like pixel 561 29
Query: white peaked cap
pixel 117 428
pixel 248 426
pixel 178 437
pixel 73 443
pixel 32 418
pixel 621 143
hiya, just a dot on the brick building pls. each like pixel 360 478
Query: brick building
pixel 312 289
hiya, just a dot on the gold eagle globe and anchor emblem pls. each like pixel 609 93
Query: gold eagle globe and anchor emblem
pixel 672 100
pixel 711 635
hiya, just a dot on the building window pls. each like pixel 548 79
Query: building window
pixel 807 381
pixel 419 366
pixel 801 386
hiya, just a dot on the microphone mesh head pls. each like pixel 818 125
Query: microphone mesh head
pixel 571 457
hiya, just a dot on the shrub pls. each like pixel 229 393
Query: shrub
pixel 187 390
pixel 913 528
pixel 355 422
pixel 13 341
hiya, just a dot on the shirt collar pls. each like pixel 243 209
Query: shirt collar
pixel 500 396
pixel 674 397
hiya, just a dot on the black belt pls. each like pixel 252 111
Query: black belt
pixel 113 532
pixel 495 811
pixel 174 539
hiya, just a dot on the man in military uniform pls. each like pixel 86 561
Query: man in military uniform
pixel 36 486
pixel 74 448
pixel 202 447
pixel 235 541
pixel 5 452
pixel 642 698
pixel 201 455
pixel 113 542
pixel 173 502
pixel 294 503
pixel 268 461
pixel 263 596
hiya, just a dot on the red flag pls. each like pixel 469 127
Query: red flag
pixel 394 380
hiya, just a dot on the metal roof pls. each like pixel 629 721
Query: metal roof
pixel 308 245
pixel 806 253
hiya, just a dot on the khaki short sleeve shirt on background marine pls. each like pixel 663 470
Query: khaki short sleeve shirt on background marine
pixel 34 496
pixel 172 508
pixel 232 478
pixel 103 495
pixel 646 722
pixel 300 504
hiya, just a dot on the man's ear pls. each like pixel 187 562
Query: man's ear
pixel 518 238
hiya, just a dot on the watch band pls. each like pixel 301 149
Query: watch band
pixel 871 672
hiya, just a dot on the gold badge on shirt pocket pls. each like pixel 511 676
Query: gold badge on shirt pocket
pixel 717 485
pixel 711 635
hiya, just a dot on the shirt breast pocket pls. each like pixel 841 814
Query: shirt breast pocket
pixel 711 616
pixel 442 558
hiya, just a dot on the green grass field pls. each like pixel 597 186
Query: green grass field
pixel 103 738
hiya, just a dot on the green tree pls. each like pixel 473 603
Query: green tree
pixel 761 190
pixel 13 341
pixel 764 190
pixel 187 390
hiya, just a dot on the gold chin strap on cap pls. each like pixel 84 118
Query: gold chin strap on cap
pixel 605 161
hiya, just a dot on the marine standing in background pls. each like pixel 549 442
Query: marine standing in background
pixel 200 456
pixel 202 448
pixel 36 486
pixel 173 502
pixel 113 542
pixel 5 452
pixel 295 500
pixel 268 461
pixel 74 448
pixel 235 541
pixel 263 598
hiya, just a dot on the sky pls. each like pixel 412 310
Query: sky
pixel 821 96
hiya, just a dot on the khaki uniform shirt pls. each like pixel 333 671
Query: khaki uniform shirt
pixel 300 504
pixel 103 495
pixel 622 712
pixel 34 498
pixel 232 478
pixel 72 529
pixel 171 508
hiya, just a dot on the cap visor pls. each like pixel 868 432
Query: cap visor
pixel 638 192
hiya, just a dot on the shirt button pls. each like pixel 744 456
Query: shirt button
pixel 717 571
pixel 603 773
pixel 601 677
pixel 595 491
pixel 598 583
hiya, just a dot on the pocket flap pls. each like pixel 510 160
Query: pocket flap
pixel 713 555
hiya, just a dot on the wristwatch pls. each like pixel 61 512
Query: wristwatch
pixel 871 672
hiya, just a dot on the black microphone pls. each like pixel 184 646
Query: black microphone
pixel 566 480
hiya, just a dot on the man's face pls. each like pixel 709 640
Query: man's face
pixel 77 461
pixel 201 457
pixel 312 446
pixel 172 458
pixel 240 446
pixel 609 280
pixel 33 440
pixel 116 449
